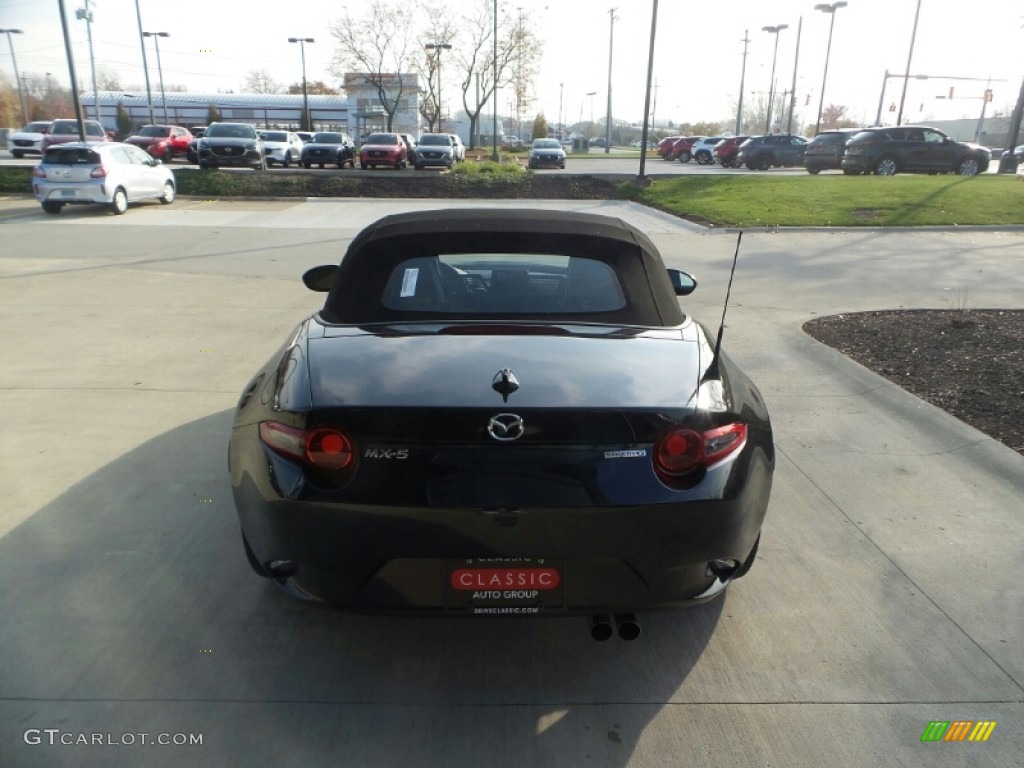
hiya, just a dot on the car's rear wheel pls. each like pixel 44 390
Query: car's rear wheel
pixel 764 162
pixel 168 196
pixel 703 158
pixel 287 160
pixel 886 166
pixel 813 170
pixel 968 167
pixel 168 155
pixel 119 204
pixel 53 208
pixel 685 157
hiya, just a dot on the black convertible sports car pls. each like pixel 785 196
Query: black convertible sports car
pixel 502 413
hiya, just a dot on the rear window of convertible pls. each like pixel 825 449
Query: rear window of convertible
pixel 509 284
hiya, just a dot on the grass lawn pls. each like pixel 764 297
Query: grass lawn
pixel 839 201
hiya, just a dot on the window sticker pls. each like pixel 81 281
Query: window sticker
pixel 409 282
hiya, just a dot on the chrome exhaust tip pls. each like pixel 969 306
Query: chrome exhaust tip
pixel 601 627
pixel 629 626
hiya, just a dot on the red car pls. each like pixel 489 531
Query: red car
pixel 162 141
pixel 681 149
pixel 665 146
pixel 383 149
pixel 726 150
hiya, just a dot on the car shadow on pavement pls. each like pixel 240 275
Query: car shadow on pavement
pixel 130 592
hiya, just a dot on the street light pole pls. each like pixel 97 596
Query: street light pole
pixel 591 94
pixel 608 116
pixel 145 64
pixel 743 76
pixel 831 11
pixel 438 47
pixel 305 124
pixel 20 89
pixel 159 67
pixel 771 85
pixel 910 55
pixel 561 91
pixel 86 13
pixel 792 90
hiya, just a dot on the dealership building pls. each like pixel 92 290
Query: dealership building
pixel 357 112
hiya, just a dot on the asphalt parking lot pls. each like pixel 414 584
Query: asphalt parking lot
pixel 887 593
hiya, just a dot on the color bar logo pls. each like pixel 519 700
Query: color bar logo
pixel 958 730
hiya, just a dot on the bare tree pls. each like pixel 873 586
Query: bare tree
pixel 107 80
pixel 428 64
pixel 313 87
pixel 260 81
pixel 374 41
pixel 518 51
pixel 836 116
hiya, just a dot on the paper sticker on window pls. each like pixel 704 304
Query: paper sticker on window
pixel 409 282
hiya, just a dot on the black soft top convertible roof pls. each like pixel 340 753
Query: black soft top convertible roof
pixel 373 254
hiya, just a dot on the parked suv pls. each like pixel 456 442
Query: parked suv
pixel 231 144
pixel 772 149
pixel 460 148
pixel 681 149
pixel 435 149
pixel 665 146
pixel 282 147
pixel 702 149
pixel 28 139
pixel 726 150
pixel 383 149
pixel 826 150
pixel 65 131
pixel 912 149
pixel 327 147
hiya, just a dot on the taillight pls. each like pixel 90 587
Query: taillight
pixel 98 172
pixel 329 449
pixel 38 172
pixel 722 442
pixel 325 449
pixel 681 452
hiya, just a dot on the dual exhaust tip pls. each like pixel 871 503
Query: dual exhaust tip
pixel 602 627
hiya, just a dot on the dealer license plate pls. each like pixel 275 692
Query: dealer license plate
pixel 505 586
pixel 67 193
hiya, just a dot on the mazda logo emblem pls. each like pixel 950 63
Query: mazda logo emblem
pixel 506 427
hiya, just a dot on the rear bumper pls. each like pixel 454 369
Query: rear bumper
pixel 397 559
pixel 70 194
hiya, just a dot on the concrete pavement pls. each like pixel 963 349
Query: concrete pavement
pixel 886 594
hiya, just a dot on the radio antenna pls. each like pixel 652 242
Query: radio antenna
pixel 712 371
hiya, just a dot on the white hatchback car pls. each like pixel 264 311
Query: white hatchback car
pixel 109 174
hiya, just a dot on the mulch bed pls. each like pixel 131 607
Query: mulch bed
pixel 969 362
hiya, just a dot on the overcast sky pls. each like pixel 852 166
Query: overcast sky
pixel 698 51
